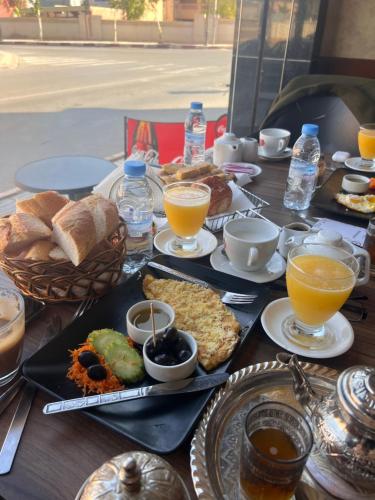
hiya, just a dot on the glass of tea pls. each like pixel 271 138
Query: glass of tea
pixel 275 446
pixel 12 329
pixel 186 206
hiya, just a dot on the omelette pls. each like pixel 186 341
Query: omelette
pixel 359 203
pixel 200 312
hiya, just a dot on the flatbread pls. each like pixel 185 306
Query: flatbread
pixel 200 312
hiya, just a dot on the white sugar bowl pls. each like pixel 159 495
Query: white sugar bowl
pixel 335 239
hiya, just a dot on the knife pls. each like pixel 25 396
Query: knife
pixel 187 385
pixel 178 274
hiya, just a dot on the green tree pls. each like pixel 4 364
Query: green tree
pixel 226 8
pixel 131 10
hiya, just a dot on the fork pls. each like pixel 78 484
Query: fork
pixel 84 306
pixel 226 297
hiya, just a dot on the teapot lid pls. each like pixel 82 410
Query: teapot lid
pixel 325 236
pixel 356 392
pixel 228 138
pixel 134 476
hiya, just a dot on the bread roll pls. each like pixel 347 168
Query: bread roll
pixel 221 195
pixel 40 250
pixel 80 225
pixel 43 205
pixel 20 230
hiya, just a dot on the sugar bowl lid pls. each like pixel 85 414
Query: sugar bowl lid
pixel 356 393
pixel 134 475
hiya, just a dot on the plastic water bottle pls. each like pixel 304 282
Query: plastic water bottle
pixel 195 135
pixel 303 169
pixel 135 204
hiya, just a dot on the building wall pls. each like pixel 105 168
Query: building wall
pixel 349 30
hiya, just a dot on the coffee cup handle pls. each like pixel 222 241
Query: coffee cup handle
pixel 253 256
pixel 363 257
pixel 282 144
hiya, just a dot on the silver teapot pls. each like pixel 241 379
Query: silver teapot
pixel 343 422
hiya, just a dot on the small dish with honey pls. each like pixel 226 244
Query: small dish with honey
pixel 138 319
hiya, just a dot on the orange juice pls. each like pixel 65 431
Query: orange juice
pixel 366 143
pixel 186 208
pixel 317 287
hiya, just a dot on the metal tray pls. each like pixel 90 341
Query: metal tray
pixel 214 455
pixel 159 424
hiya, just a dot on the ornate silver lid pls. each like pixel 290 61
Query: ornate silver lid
pixel 135 476
pixel 356 392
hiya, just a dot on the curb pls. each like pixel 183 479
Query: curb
pixel 148 45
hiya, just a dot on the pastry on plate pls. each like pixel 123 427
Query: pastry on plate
pixel 360 203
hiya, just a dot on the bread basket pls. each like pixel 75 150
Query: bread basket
pixel 61 281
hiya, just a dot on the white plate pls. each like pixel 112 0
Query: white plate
pixel 249 169
pixel 287 153
pixel 360 165
pixel 207 243
pixel 273 270
pixel 274 315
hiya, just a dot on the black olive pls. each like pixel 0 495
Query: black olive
pixel 88 358
pixel 181 345
pixel 165 360
pixel 184 355
pixel 97 372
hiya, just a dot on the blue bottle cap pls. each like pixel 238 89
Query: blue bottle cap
pixel 310 129
pixel 196 105
pixel 135 168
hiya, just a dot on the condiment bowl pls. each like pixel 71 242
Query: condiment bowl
pixel 177 372
pixel 138 334
pixel 354 183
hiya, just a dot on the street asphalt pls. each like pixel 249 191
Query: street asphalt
pixel 72 100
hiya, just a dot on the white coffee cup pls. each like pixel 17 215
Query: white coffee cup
pixel 250 243
pixel 291 235
pixel 249 149
pixel 273 141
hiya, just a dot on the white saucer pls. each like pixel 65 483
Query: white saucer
pixel 360 165
pixel 207 243
pixel 249 169
pixel 274 315
pixel 273 270
pixel 287 153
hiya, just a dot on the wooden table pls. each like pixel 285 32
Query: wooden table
pixel 57 453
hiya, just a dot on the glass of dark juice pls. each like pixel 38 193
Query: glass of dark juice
pixel 275 446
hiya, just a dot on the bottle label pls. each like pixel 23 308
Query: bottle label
pixel 196 139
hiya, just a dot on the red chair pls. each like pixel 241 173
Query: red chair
pixel 164 140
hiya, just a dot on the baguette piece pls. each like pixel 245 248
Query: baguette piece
pixel 40 250
pixel 20 230
pixel 80 225
pixel 57 253
pixel 43 205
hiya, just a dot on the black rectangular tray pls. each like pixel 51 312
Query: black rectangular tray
pixel 325 196
pixel 160 424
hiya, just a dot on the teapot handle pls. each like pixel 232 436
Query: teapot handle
pixel 364 262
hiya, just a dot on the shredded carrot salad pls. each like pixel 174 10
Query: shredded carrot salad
pixel 78 374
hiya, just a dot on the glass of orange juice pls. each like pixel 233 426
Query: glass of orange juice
pixel 319 280
pixel 366 142
pixel 186 206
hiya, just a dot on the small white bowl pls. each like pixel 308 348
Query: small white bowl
pixel 176 372
pixel 138 334
pixel 354 183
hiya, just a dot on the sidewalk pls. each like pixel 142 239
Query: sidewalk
pixel 93 43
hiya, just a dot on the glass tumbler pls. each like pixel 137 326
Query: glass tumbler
pixel 275 446
pixel 12 329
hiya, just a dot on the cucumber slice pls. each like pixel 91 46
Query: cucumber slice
pixel 125 362
pixel 102 338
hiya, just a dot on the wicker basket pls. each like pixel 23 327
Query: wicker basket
pixel 61 281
